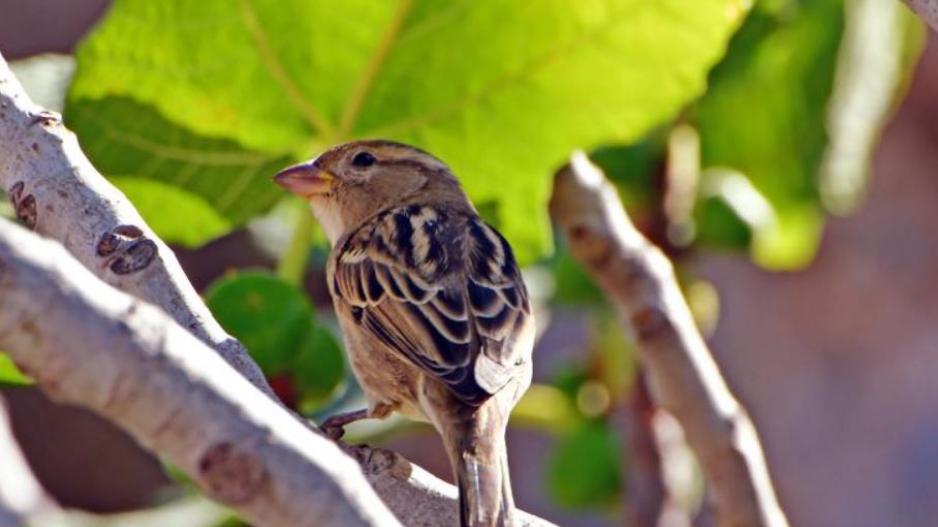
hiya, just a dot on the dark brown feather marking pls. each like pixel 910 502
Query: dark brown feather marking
pixel 451 277
pixel 483 299
pixel 404 232
pixel 373 287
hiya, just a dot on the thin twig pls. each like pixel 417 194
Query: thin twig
pixel 682 374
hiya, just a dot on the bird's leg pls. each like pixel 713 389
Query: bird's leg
pixel 334 426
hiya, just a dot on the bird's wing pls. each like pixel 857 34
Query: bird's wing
pixel 441 289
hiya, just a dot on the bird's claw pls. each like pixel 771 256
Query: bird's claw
pixel 334 426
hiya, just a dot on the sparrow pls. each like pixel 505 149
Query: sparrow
pixel 434 313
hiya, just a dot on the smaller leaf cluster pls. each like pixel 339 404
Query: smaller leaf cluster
pixel 277 324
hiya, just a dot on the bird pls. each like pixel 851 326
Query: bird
pixel 433 309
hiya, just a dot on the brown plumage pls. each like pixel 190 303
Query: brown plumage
pixel 435 315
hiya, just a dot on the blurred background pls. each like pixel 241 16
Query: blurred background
pixel 781 152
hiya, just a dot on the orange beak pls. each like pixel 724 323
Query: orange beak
pixel 306 180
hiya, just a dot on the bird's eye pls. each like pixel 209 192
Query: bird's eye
pixel 363 159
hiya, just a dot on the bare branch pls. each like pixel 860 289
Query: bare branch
pixel 89 344
pixel 927 10
pixel 57 191
pixel 682 375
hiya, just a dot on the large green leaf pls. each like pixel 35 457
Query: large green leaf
pixel 502 90
pixel 125 138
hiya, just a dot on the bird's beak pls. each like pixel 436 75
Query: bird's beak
pixel 306 180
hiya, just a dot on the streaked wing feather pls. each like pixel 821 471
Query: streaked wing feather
pixel 442 291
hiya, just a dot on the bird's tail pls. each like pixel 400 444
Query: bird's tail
pixel 476 447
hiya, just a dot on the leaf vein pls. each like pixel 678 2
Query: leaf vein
pixel 279 73
pixel 474 99
pixel 187 155
pixel 366 80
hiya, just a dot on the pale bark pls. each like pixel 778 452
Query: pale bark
pixel 927 10
pixel 682 374
pixel 89 344
pixel 56 191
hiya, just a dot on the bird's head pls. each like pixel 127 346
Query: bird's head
pixel 351 182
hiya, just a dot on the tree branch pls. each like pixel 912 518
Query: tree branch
pixel 56 191
pixel 682 375
pixel 927 10
pixel 86 343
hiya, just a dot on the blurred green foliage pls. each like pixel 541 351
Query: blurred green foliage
pixel 276 323
pixel 574 286
pixel 577 480
pixel 797 101
pixel 319 369
pixel 764 114
pixel 767 112
pixel 271 317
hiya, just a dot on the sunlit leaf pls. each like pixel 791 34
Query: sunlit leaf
pixel 271 317
pixel 502 90
pixel 6 208
pixel 128 139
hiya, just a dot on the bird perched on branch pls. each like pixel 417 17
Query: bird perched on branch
pixel 434 313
